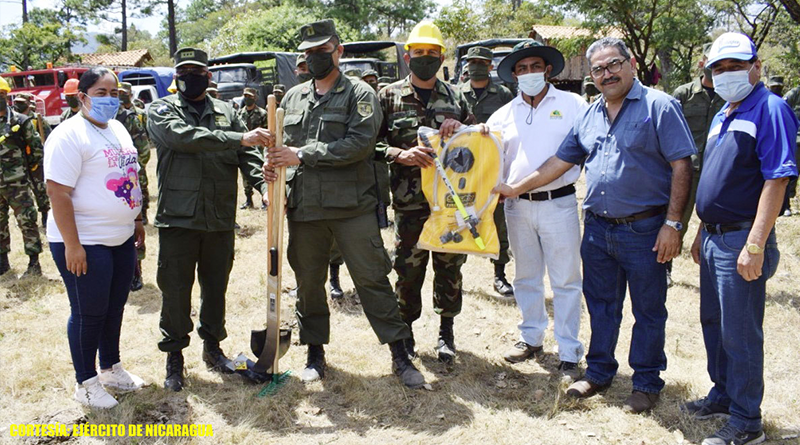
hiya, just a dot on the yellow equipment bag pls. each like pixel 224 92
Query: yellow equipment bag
pixel 468 166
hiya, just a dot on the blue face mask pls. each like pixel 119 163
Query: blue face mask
pixel 103 108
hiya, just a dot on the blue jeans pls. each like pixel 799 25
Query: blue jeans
pixel 97 301
pixel 617 257
pixel 732 316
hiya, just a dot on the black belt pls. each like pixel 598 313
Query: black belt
pixel 636 216
pixel 719 229
pixel 550 194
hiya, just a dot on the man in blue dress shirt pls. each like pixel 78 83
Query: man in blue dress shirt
pixel 636 147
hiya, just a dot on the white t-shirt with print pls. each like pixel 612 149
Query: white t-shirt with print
pixel 101 165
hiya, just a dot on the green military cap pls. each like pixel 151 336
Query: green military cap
pixel 587 80
pixel 316 34
pixel 384 79
pixel 250 91
pixel 279 88
pixel 125 86
pixel 775 81
pixel 22 97
pixel 354 72
pixel 190 56
pixel 300 59
pixel 369 73
pixel 480 52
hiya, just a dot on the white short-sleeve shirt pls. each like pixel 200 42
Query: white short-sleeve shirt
pixel 101 165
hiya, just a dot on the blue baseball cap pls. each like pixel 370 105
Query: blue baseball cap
pixel 731 45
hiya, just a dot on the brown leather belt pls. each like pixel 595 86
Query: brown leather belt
pixel 550 194
pixel 636 216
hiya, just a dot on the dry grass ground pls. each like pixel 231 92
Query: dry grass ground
pixel 483 400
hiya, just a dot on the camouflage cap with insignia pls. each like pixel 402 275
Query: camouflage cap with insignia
pixel 300 59
pixel 316 34
pixel 190 56
pixel 479 52
pixel 125 86
pixel 588 80
pixel 370 72
pixel 250 91
pixel 212 86
pixel 279 88
pixel 775 81
pixel 22 97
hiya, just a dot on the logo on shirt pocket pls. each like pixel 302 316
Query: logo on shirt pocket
pixel 555 114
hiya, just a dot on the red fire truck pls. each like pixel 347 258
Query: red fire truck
pixel 46 85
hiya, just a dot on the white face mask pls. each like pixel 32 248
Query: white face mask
pixel 531 83
pixel 733 86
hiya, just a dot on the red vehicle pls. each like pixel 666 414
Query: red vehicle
pixel 47 86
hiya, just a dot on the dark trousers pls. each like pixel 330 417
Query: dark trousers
pixel 97 300
pixel 360 242
pixel 181 252
pixel 502 234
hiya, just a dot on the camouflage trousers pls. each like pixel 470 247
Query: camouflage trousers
pixel 410 263
pixel 248 189
pixel 141 251
pixel 39 189
pixel 18 197
pixel 502 234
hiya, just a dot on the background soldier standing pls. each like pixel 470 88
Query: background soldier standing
pixel 25 103
pixel 590 91
pixel 133 119
pixel 330 129
pixel 371 77
pixel 793 99
pixel 484 97
pixel 71 96
pixel 16 135
pixel 279 90
pixel 253 117
pixel 421 100
pixel 199 144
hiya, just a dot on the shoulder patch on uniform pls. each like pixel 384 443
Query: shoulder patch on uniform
pixel 365 109
pixel 162 109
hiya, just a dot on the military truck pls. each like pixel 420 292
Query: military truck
pixel 235 72
pixel 364 56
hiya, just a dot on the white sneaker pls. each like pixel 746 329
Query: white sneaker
pixel 310 374
pixel 91 393
pixel 118 378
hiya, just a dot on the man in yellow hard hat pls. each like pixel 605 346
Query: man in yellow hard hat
pixel 421 100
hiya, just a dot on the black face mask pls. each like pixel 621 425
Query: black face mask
pixel 425 67
pixel 21 107
pixel 304 77
pixel 478 71
pixel 192 86
pixel 249 101
pixel 73 102
pixel 320 64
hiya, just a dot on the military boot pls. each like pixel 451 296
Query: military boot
pixel 402 366
pixel 4 266
pixel 145 221
pixel 44 219
pixel 315 364
pixel 34 268
pixel 336 288
pixel 215 359
pixel 410 344
pixel 446 349
pixel 174 380
pixel 248 202
pixel 136 283
pixel 501 284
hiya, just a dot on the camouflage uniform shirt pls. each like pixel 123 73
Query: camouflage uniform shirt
pixel 17 137
pixel 492 98
pixel 699 110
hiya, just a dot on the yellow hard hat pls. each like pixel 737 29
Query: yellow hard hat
pixel 173 88
pixel 425 32
pixel 4 85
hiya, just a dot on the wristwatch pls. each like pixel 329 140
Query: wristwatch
pixel 754 248
pixel 674 224
pixel 299 155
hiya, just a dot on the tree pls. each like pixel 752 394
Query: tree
pixel 793 8
pixel 752 17
pixel 38 41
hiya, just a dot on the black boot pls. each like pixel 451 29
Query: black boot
pixel 336 288
pixel 402 366
pixel 174 380
pixel 44 219
pixel 248 202
pixel 500 283
pixel 215 359
pixel 410 344
pixel 446 347
pixel 136 283
pixel 4 266
pixel 315 364
pixel 144 216
pixel 34 268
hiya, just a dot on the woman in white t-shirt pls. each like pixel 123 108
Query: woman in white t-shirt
pixel 91 170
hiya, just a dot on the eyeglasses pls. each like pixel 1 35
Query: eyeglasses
pixel 613 67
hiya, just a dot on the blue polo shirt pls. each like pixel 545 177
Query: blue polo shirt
pixel 628 166
pixel 754 144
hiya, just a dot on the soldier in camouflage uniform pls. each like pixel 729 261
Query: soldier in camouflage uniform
pixel 71 96
pixel 253 117
pixel 590 91
pixel 371 77
pixel 700 104
pixel 279 90
pixel 134 120
pixel 793 99
pixel 484 97
pixel 25 104
pixel 16 135
pixel 420 100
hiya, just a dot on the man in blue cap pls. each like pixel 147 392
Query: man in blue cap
pixel 749 158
